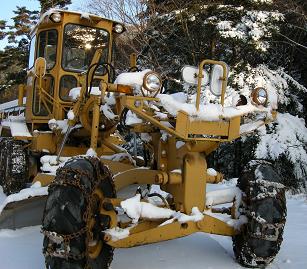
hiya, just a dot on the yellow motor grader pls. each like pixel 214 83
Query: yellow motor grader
pixel 100 197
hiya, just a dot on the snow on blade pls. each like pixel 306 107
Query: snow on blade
pixel 12 105
pixel 17 125
pixel 34 190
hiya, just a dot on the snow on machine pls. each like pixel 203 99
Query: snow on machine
pixel 62 160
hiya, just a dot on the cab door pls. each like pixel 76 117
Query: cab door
pixel 43 102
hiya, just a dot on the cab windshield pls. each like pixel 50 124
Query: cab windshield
pixel 80 43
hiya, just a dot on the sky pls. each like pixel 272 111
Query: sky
pixel 6 10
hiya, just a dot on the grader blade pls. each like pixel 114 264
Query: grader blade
pixel 19 214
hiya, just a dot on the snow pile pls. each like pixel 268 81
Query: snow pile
pixel 206 112
pixel 211 172
pixel 195 216
pixel 118 233
pixel 235 223
pixel 61 125
pixel 134 79
pixel 119 157
pixel 136 209
pixel 106 108
pixel 50 164
pixel 34 190
pixel 132 119
pixel 74 93
pixel 70 115
pixel 227 195
pixel 91 152
pixel 289 138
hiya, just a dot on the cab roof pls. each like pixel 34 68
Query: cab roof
pixel 83 15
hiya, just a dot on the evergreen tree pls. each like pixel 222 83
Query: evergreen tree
pixel 47 4
pixel 2 29
pixel 257 39
pixel 14 57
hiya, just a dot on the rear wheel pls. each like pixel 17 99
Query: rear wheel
pixel 265 208
pixel 72 224
pixel 13 165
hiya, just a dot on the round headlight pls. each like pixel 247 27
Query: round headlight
pixel 152 82
pixel 56 17
pixel 118 28
pixel 260 96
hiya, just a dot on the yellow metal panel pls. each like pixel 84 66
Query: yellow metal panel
pixel 182 124
pixel 43 141
pixel 174 230
pixel 234 128
pixel 44 179
pixel 135 176
pixel 194 182
pixel 216 128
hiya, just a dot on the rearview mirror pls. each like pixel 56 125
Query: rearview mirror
pixel 190 75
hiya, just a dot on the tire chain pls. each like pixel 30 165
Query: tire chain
pixel 264 226
pixel 62 181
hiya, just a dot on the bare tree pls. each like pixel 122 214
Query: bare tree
pixel 129 12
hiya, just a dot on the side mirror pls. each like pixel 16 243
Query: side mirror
pixel 190 75
pixel 40 67
pixel 216 79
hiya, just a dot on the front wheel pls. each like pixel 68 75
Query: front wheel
pixel 265 207
pixel 72 223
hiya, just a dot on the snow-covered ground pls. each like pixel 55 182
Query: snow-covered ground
pixel 22 249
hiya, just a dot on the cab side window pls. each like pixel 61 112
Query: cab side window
pixel 47 47
pixel 32 52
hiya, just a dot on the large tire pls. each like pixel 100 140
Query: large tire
pixel 70 207
pixel 264 205
pixel 14 165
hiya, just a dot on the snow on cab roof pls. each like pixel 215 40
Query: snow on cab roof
pixel 84 15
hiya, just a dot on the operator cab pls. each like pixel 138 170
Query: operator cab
pixel 67 41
